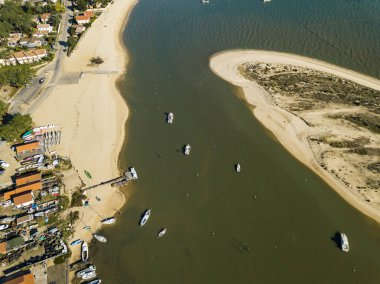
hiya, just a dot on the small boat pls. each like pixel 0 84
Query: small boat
pixel 79 274
pixel 84 251
pixel 108 221
pixel 96 281
pixel 100 238
pixel 205 1
pixel 133 173
pixel 187 149
pixel 3 227
pixel 145 218
pixel 76 242
pixel 344 242
pixel 161 232
pixel 89 275
pixel 238 167
pixel 86 228
pixel 39 214
pixel 8 219
pixel 87 174
pixel 170 117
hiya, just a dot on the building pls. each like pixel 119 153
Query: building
pixel 27 147
pixel 82 19
pixel 24 219
pixel 37 185
pixel 79 29
pixel 45 28
pixel 24 199
pixel 23 279
pixel 28 178
pixel 45 17
pixel 11 244
pixel 89 13
pixel 27 57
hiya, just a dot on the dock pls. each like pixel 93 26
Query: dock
pixel 119 181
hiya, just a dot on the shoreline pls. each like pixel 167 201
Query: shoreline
pixel 93 116
pixel 290 130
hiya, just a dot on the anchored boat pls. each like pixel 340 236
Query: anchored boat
pixel 100 238
pixel 89 275
pixel 187 149
pixel 84 251
pixel 344 242
pixel 161 232
pixel 145 218
pixel 238 167
pixel 170 117
pixel 96 281
pixel 86 270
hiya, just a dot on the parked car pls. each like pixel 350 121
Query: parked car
pixel 42 80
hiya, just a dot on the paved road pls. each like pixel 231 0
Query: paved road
pixel 36 92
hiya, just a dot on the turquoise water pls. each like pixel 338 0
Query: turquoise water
pixel 275 221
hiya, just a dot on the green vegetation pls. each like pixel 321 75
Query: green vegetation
pixel 13 18
pixel 16 76
pixel 62 258
pixel 3 110
pixel 76 199
pixel 13 128
pixel 96 60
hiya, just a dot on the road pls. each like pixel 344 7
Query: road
pixel 33 94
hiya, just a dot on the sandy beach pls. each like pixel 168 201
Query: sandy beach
pixel 290 130
pixel 92 115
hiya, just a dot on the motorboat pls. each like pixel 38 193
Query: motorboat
pixel 133 173
pixel 89 275
pixel 108 221
pixel 84 251
pixel 79 274
pixel 161 232
pixel 39 214
pixel 238 167
pixel 145 218
pixel 187 149
pixel 344 242
pixel 76 242
pixel 100 238
pixel 170 117
pixel 3 227
pixel 96 281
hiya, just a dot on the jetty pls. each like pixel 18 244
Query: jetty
pixel 119 181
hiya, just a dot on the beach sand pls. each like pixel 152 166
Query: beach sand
pixel 92 115
pixel 290 130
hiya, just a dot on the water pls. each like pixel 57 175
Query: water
pixel 273 222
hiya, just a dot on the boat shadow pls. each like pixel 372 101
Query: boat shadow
pixel 336 239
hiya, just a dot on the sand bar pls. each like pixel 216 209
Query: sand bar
pixel 291 131
pixel 92 115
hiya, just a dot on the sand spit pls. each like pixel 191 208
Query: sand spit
pixel 88 106
pixel 294 132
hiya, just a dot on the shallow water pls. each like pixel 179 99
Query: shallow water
pixel 274 221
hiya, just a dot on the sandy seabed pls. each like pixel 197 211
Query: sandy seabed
pixel 92 115
pixel 290 130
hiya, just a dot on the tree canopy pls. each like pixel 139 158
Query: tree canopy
pixel 15 127
pixel 13 18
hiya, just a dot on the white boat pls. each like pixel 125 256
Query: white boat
pixel 3 227
pixel 205 1
pixel 170 117
pixel 187 149
pixel 89 275
pixel 79 274
pixel 344 242
pixel 133 173
pixel 8 219
pixel 100 238
pixel 84 251
pixel 39 214
pixel 161 232
pixel 238 167
pixel 145 218
pixel 108 221
pixel 96 281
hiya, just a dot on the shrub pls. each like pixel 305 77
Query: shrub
pixel 96 60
